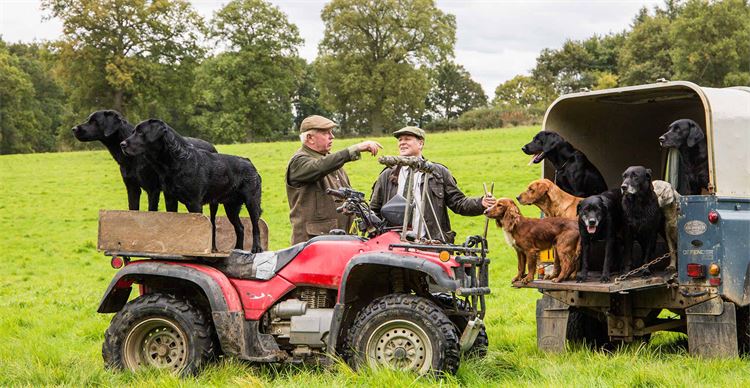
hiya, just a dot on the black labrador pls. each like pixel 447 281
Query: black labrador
pixel 600 219
pixel 687 136
pixel 111 128
pixel 643 220
pixel 574 173
pixel 196 177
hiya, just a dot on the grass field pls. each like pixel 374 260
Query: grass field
pixel 52 278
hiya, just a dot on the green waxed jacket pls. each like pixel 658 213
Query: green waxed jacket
pixel 312 212
pixel 444 194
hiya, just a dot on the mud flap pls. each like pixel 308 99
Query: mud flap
pixel 712 329
pixel 241 338
pixel 551 324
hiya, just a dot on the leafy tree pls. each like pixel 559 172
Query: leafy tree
pixel 644 57
pixel 246 92
pixel 710 42
pixel 129 55
pixel 577 65
pixel 520 91
pixel 19 128
pixel 306 100
pixel 453 92
pixel 373 59
pixel 37 60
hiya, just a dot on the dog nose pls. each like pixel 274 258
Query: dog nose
pixel 661 139
pixel 523 148
pixel 623 188
pixel 76 129
pixel 518 198
pixel 123 144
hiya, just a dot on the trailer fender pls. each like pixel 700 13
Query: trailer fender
pixel 219 291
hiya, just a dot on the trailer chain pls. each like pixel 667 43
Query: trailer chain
pixel 641 268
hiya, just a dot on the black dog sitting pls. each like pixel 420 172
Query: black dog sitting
pixel 196 177
pixel 687 136
pixel 642 217
pixel 575 174
pixel 110 128
pixel 599 219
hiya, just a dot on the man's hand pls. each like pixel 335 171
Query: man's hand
pixel 488 200
pixel 369 146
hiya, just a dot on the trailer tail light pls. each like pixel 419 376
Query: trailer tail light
pixel 714 281
pixel 695 270
pixel 117 262
pixel 714 269
pixel 713 216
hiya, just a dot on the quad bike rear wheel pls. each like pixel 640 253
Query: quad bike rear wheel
pixel 406 332
pixel 479 348
pixel 158 331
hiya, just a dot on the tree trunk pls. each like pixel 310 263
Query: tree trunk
pixel 376 122
pixel 117 103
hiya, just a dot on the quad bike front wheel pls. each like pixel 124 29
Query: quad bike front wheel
pixel 158 331
pixel 406 332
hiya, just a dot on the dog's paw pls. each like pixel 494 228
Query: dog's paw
pixel 604 279
pixel 528 279
pixel 581 278
pixel 646 273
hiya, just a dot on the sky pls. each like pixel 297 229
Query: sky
pixel 495 39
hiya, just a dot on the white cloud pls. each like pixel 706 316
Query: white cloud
pixel 496 40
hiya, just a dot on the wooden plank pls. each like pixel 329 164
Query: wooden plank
pixel 593 284
pixel 167 234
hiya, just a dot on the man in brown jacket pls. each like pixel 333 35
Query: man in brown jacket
pixel 312 170
pixel 443 193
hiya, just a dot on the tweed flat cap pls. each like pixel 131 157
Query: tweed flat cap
pixel 415 131
pixel 316 122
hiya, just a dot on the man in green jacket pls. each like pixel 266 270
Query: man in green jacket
pixel 442 193
pixel 312 170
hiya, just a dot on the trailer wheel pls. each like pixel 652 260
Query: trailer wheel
pixel 405 332
pixel 743 330
pixel 583 328
pixel 158 331
pixel 479 349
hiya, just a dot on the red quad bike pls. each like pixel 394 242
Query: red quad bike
pixel 382 299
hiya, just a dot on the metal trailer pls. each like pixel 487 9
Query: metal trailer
pixel 708 296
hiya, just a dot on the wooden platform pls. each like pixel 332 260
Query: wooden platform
pixel 594 285
pixel 169 235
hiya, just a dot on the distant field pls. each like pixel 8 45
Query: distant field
pixel 52 278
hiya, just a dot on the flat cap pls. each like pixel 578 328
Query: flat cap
pixel 415 131
pixel 316 122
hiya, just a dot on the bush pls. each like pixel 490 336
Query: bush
pixel 481 118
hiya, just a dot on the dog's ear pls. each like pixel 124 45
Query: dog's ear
pixel 696 134
pixel 551 141
pixel 578 209
pixel 155 130
pixel 113 122
pixel 648 174
pixel 498 223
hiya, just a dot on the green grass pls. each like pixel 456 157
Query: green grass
pixel 52 278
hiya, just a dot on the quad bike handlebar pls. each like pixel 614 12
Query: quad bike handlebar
pixel 368 223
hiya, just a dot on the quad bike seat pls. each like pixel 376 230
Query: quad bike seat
pixel 242 264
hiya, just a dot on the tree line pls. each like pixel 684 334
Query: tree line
pixel 238 76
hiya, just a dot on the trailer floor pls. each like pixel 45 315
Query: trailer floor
pixel 592 284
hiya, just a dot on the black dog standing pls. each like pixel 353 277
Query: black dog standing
pixel 196 177
pixel 643 219
pixel 110 128
pixel 687 136
pixel 599 219
pixel 575 174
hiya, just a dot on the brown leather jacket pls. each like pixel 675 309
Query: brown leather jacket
pixel 443 194
pixel 312 212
